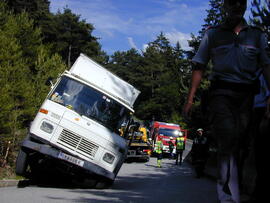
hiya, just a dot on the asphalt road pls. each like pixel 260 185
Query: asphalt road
pixel 136 182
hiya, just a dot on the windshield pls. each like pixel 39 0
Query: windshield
pixel 91 103
pixel 169 132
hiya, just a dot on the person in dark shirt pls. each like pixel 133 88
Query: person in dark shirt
pixel 239 55
pixel 171 148
pixel 199 152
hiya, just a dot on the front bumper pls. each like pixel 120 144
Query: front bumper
pixel 48 150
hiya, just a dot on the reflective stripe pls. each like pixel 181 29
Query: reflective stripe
pixel 159 147
pixel 180 143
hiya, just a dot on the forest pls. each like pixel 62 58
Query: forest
pixel 37 45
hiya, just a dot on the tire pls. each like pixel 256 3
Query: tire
pixel 21 163
pixel 104 184
pixel 84 182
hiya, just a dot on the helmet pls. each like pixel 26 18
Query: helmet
pixel 171 138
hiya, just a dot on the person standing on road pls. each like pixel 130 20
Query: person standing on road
pixel 159 152
pixel 180 147
pixel 239 54
pixel 199 152
pixel 171 148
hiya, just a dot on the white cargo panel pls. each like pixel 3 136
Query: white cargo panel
pixel 89 70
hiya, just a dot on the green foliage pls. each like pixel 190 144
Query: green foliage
pixel 215 16
pixel 261 15
pixel 25 65
pixel 71 36
pixel 35 8
pixel 34 41
pixel 156 73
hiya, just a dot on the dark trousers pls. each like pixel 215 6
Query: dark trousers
pixel 229 116
pixel 199 166
pixel 171 154
pixel 179 154
pixel 261 144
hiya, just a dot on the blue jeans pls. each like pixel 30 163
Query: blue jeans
pixel 229 114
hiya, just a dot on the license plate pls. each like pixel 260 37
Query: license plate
pixel 70 159
pixel 132 152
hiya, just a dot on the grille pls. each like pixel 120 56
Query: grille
pixel 77 143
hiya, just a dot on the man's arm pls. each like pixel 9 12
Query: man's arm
pixel 200 61
pixel 196 78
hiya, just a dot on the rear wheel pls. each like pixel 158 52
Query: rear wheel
pixel 21 163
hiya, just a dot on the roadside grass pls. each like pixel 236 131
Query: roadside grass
pixel 7 172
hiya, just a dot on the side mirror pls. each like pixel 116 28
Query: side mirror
pixel 49 82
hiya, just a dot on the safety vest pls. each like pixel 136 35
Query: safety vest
pixel 180 141
pixel 159 147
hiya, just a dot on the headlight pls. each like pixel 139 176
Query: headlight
pixel 109 158
pixel 46 127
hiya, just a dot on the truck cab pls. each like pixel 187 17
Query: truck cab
pixel 167 132
pixel 77 124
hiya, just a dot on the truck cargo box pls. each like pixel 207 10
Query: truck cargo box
pixel 92 72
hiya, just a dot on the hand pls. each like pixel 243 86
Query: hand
pixel 187 110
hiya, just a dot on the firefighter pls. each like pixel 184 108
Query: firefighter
pixel 199 152
pixel 159 151
pixel 180 147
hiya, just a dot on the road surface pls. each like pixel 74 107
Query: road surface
pixel 136 182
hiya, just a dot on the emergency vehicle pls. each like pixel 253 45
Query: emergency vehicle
pixel 166 132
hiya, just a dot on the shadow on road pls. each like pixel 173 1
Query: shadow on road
pixel 138 182
pixel 169 184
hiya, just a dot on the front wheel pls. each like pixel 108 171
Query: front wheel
pixel 21 163
pixel 104 184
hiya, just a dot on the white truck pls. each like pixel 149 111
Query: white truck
pixel 78 124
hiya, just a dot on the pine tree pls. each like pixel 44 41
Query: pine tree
pixel 25 65
pixel 35 8
pixel 66 32
pixel 261 15
pixel 215 16
pixel 160 84
pixel 71 36
pixel 126 65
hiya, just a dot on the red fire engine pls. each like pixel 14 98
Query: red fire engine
pixel 166 131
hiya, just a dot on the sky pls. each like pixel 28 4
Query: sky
pixel 124 24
